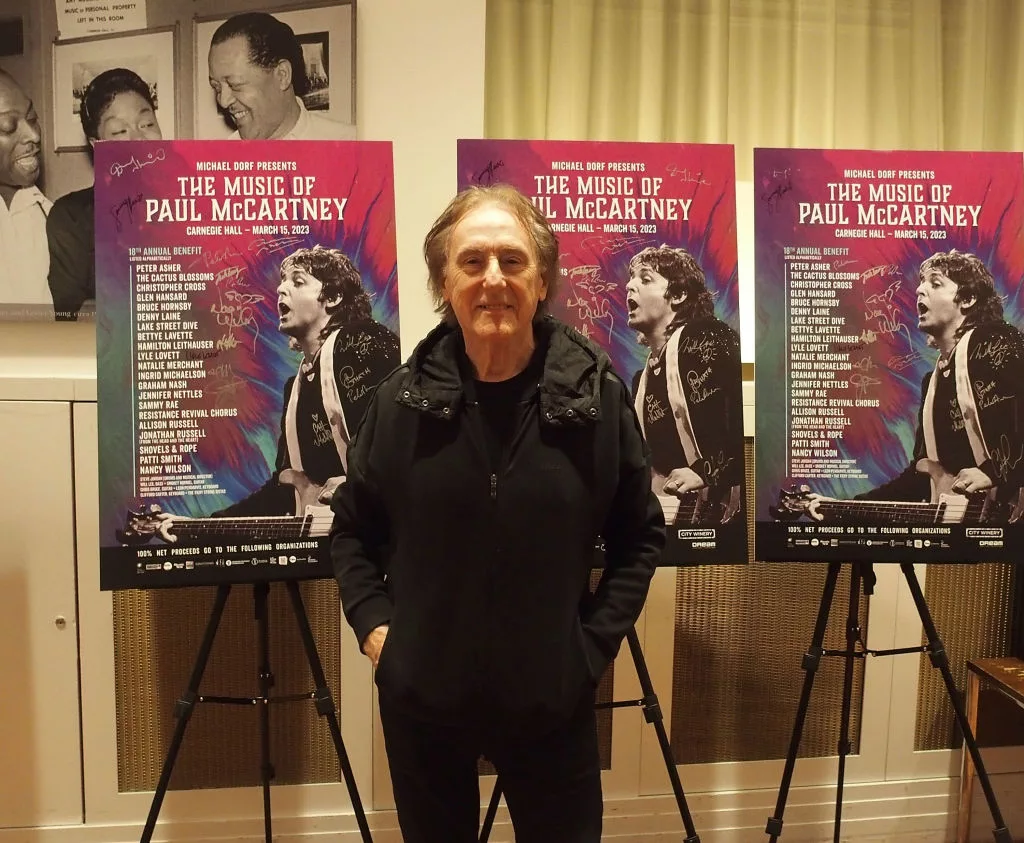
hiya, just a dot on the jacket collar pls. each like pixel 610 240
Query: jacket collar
pixel 569 392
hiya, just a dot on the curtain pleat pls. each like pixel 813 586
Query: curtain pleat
pixel 876 74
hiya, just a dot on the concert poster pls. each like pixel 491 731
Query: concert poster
pixel 648 257
pixel 889 356
pixel 248 304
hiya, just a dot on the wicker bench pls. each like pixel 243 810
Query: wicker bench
pixel 1005 675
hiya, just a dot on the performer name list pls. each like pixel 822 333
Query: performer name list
pixel 170 355
pixel 820 368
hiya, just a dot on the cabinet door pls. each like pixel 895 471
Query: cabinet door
pixel 39 721
pixel 110 797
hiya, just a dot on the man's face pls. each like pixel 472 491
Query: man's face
pixel 492 279
pixel 257 99
pixel 299 307
pixel 937 310
pixel 19 136
pixel 128 117
pixel 647 307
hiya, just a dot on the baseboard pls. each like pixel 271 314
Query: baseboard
pixel 921 811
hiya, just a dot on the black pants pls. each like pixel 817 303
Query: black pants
pixel 551 782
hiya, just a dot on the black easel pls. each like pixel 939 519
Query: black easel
pixel 321 696
pixel 863 575
pixel 652 714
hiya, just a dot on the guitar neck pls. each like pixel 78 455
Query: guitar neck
pixel 679 511
pixel 284 527
pixel 954 510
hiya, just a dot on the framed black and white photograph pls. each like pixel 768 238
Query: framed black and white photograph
pixel 76 62
pixel 326 32
pixel 316 52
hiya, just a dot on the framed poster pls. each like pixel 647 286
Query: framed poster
pixel 247 306
pixel 647 239
pixel 890 364
pixel 326 33
pixel 150 53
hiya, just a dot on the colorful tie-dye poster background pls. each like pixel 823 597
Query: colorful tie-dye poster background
pixel 191 365
pixel 841 357
pixel 608 201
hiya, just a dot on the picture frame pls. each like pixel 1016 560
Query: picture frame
pixel 327 32
pixel 149 52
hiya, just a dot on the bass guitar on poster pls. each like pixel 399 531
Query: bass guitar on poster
pixel 311 520
pixel 945 506
pixel 710 505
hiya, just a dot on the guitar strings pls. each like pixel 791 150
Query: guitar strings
pixel 285 526
pixel 952 511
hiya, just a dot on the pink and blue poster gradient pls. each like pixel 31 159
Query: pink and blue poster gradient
pixel 608 202
pixel 193 361
pixel 849 335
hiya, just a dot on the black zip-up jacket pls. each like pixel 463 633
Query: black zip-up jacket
pixel 482 571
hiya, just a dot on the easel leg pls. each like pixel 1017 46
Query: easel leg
pixel 492 812
pixel 260 591
pixel 811 660
pixel 939 659
pixel 653 714
pixel 852 637
pixel 325 706
pixel 184 707
pixel 963 817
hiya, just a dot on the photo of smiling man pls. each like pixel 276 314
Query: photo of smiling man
pixel 24 208
pixel 258 75
pixel 687 394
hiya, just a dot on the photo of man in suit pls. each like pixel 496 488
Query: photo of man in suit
pixel 258 75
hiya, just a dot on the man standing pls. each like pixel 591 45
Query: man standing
pixel 26 258
pixel 258 74
pixel 463 538
pixel 324 309
pixel 688 393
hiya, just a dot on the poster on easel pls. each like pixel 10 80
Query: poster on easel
pixel 890 364
pixel 248 305
pixel 648 257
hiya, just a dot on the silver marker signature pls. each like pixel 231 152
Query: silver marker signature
pixel 687 175
pixel 1004 459
pixel 117 169
pixel 264 246
pixel 862 383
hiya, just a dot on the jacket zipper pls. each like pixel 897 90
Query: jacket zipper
pixel 494 487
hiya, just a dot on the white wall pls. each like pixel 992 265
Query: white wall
pixel 421 85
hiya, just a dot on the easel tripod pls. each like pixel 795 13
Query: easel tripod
pixel 321 696
pixel 652 714
pixel 862 575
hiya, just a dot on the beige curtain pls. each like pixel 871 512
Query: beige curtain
pixel 907 74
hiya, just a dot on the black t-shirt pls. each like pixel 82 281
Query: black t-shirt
pixel 320 459
pixel 659 424
pixel 951 442
pixel 502 404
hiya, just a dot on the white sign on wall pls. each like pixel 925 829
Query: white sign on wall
pixel 77 18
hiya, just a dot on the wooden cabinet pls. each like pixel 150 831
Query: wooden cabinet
pixel 40 733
